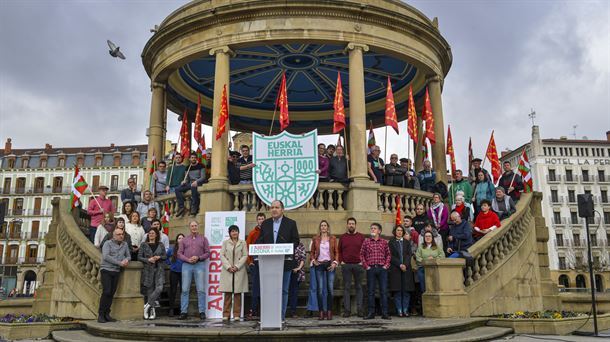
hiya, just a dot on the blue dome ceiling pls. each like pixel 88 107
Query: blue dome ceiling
pixel 311 74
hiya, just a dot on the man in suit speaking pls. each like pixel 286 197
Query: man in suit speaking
pixel 281 229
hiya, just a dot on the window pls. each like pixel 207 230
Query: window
pixel 607 218
pixel 11 163
pixel 559 239
pixel 569 176
pixel 552 175
pixel 25 162
pixel 574 217
pixel 604 196
pixel 37 206
pixel 7 185
pixel 57 184
pixel 593 239
pixel 554 196
pixel 96 183
pixel 557 217
pixel 579 262
pixel 43 163
pixel 134 177
pixel 20 185
pixel 596 263
pixel 562 263
pixel 98 161
pixel 18 206
pixel 114 183
pixel 115 202
pixel 545 151
pixel 62 162
pixel 588 192
pixel 585 175
pixel 39 185
pixel 576 240
pixel 571 196
pixel 35 229
pixel 601 175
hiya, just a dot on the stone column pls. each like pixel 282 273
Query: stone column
pixel 439 160
pixel 156 129
pixel 215 195
pixel 362 194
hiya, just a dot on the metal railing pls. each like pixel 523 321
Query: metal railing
pixel 553 179
pixel 571 179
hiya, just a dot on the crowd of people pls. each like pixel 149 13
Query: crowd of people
pixel 458 216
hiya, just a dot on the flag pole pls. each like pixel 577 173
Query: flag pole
pixel 346 150
pixel 95 199
pixel 514 174
pixel 385 147
pixel 272 120
pixel 484 159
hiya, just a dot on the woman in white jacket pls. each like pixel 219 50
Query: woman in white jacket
pixel 137 233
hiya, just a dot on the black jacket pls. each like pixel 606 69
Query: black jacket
pixel 288 233
pixel 399 280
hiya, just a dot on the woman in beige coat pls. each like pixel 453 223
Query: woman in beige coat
pixel 234 276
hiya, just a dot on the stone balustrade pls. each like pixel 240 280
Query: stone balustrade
pixel 409 198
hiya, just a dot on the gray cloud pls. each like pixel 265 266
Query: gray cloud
pixel 59 85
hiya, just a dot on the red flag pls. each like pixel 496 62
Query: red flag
pixel 165 219
pixel 429 119
pixel 197 133
pixel 398 215
pixel 339 116
pixel 223 116
pixel 412 116
pixel 339 141
pixel 470 154
pixel 450 150
pixel 390 110
pixel 185 144
pixel 492 155
pixel 282 102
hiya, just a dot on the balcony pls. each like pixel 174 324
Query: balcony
pixel 29 212
pixel 10 261
pixel 38 190
pixel 603 178
pixel 587 179
pixel 31 260
pixel 553 179
pixel 560 222
pixel 5 191
pixel 20 190
pixel 570 179
pixel 14 235
pixel 558 200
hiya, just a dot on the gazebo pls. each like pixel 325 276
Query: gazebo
pixel 247 44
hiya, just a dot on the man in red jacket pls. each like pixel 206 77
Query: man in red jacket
pixel 350 244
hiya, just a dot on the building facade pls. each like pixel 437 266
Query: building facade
pixel 562 169
pixel 31 178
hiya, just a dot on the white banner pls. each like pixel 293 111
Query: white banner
pixel 217 225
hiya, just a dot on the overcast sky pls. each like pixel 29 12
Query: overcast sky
pixel 58 84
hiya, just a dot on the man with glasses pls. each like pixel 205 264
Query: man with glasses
pixel 233 168
pixel 245 165
pixel 115 255
pixel 376 165
pixel 394 172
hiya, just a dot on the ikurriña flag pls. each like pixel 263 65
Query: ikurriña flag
pixel 79 185
pixel 526 173
pixel 371 142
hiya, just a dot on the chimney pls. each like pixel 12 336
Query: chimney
pixel 8 146
pixel 608 135
pixel 112 145
pixel 48 147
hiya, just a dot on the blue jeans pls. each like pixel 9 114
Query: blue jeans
pixel 377 275
pixel 422 278
pixel 294 292
pixel 326 282
pixel 183 188
pixel 256 287
pixel 312 299
pixel 190 271
pixel 285 289
pixel 92 231
pixel 401 301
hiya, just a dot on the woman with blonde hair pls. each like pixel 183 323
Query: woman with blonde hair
pixel 324 256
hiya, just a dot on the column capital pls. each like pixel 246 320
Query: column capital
pixel 354 46
pixel 154 85
pixel 434 78
pixel 222 49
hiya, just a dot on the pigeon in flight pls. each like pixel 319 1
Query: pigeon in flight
pixel 114 50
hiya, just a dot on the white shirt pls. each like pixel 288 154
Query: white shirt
pixel 137 233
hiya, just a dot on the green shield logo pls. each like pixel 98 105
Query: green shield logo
pixel 286 167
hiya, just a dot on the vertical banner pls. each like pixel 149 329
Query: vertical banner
pixel 217 225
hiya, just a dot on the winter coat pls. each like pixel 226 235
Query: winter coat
pixel 397 279
pixel 152 274
pixel 234 255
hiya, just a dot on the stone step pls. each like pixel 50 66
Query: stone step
pixel 476 334
pixel 80 336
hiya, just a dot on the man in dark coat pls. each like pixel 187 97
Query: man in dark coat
pixel 511 182
pixel 280 229
pixel 401 282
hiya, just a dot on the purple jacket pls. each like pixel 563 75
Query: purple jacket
pixel 323 165
pixel 443 224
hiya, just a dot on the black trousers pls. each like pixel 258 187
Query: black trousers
pixel 175 281
pixel 110 282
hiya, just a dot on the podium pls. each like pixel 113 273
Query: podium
pixel 271 272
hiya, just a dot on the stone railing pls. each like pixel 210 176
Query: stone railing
pixel 409 198
pixel 172 203
pixel 494 247
pixel 329 196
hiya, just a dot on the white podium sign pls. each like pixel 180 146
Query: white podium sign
pixel 271 270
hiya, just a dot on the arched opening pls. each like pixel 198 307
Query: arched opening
pixel 29 283
pixel 599 283
pixel 580 281
pixel 564 281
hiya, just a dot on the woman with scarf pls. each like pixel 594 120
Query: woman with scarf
pixel 483 190
pixel 439 214
pixel 502 205
pixel 400 274
pixel 464 209
pixel 152 255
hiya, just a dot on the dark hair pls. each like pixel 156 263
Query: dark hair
pixel 233 227
pixel 261 215
pixel 176 246
pixel 506 162
pixel 459 170
pixel 423 241
pixel 162 162
pixel 244 146
pixel 119 219
pixel 124 204
pixel 330 146
pixel 193 153
pixel 408 217
pixel 155 220
pixel 137 213
pixel 157 238
pixel 352 219
pixel 280 202
pixel 322 145
pixel 151 209
pixel 404 231
pixel 377 225
pixel 486 201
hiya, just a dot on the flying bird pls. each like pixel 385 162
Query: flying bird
pixel 114 50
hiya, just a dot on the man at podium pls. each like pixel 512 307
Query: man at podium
pixel 280 229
